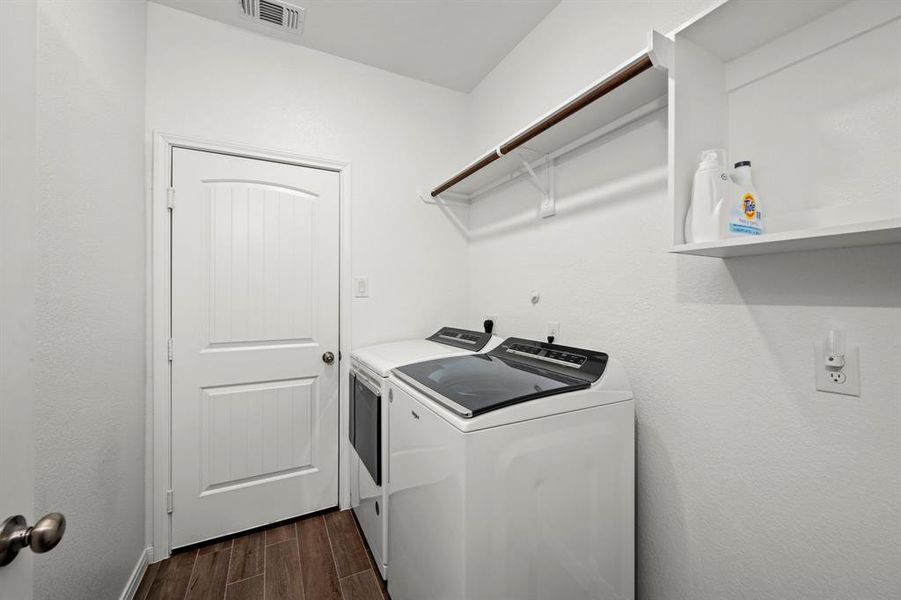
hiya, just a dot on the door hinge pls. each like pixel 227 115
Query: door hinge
pixel 169 349
pixel 170 198
pixel 169 495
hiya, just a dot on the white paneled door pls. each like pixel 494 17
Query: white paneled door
pixel 254 343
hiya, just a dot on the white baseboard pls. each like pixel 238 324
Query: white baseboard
pixel 131 588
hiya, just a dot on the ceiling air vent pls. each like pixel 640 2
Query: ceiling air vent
pixel 281 14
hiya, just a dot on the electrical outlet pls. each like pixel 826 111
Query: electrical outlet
pixel 837 377
pixel 553 330
pixel 837 380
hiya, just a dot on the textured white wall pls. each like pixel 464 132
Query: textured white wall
pixel 221 83
pixel 90 293
pixel 750 483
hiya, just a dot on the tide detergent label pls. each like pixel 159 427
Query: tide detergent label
pixel 745 216
pixel 749 204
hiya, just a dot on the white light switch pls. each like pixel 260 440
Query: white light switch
pixel 361 287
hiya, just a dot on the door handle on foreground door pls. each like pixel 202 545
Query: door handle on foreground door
pixel 15 534
pixel 328 358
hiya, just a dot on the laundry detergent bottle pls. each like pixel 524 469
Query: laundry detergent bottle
pixel 745 212
pixel 705 221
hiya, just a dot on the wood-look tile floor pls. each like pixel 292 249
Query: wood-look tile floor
pixel 321 557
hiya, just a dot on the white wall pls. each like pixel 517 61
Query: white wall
pixel 750 483
pixel 221 83
pixel 90 293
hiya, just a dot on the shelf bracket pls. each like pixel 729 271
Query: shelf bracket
pixel 660 49
pixel 547 207
pixel 447 208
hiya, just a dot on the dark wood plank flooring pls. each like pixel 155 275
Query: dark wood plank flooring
pixel 321 557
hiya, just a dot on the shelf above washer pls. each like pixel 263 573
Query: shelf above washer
pixel 872 233
pixel 621 96
pixel 794 99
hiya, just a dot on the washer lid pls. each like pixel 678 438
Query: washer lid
pixel 516 371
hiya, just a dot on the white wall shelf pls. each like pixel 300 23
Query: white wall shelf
pixel 629 92
pixel 809 93
pixel 871 233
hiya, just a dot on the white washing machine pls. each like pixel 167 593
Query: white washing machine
pixel 512 476
pixel 369 421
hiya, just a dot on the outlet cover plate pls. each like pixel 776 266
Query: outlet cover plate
pixel 851 387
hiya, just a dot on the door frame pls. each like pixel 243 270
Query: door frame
pixel 18 274
pixel 159 317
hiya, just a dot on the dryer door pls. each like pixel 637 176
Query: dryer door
pixel 366 425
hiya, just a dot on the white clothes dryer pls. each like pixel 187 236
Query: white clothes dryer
pixel 369 421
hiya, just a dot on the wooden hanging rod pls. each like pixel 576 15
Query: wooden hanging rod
pixel 636 67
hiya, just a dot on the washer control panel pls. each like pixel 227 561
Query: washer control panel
pixel 567 359
pixel 575 362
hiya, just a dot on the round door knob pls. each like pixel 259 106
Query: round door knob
pixel 15 534
pixel 328 358
pixel 47 533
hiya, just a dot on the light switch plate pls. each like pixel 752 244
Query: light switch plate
pixel 361 287
pixel 851 370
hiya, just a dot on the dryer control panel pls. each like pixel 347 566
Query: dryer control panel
pixel 461 338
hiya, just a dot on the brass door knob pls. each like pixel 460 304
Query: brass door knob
pixel 328 358
pixel 15 534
